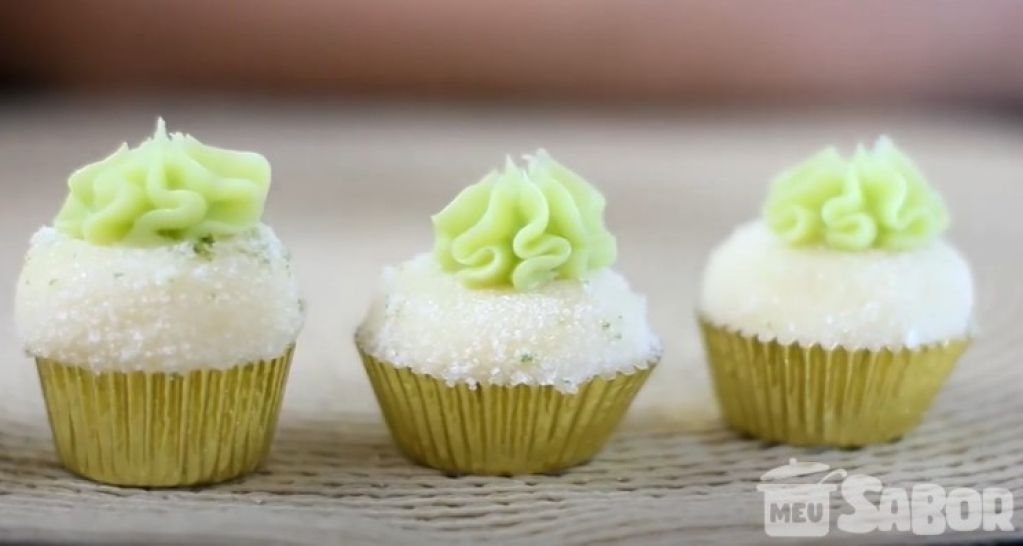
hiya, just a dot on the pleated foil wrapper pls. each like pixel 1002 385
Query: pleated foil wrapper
pixel 812 396
pixel 146 429
pixel 499 430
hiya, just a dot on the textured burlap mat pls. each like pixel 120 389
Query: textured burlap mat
pixel 353 190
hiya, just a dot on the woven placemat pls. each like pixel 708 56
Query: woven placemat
pixel 353 190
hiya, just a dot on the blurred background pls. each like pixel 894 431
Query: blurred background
pixel 622 51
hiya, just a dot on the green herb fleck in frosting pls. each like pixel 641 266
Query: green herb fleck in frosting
pixel 877 199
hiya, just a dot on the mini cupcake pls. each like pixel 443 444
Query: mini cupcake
pixel 835 319
pixel 512 348
pixel 162 315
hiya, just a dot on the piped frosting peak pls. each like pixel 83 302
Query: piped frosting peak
pixel 524 227
pixel 877 199
pixel 171 188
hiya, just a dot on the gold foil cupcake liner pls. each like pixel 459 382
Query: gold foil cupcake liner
pixel 499 430
pixel 146 429
pixel 824 397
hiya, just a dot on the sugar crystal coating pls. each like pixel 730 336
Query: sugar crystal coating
pixel 195 304
pixel 562 334
pixel 757 284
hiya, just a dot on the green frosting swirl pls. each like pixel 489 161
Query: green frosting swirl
pixel 877 199
pixel 524 228
pixel 170 188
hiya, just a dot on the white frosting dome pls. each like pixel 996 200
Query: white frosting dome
pixel 758 285
pixel 167 308
pixel 561 334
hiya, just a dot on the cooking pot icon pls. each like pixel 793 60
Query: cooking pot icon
pixel 798 509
